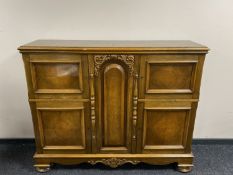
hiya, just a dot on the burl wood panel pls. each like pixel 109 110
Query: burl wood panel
pixel 50 75
pixel 162 127
pixel 63 127
pixel 169 76
pixel 114 120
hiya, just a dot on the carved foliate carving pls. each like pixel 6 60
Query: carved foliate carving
pixel 127 59
pixel 113 162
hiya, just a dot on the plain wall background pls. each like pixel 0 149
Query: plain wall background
pixel 209 22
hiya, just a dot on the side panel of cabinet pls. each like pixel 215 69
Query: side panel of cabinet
pixel 113 89
pixel 64 127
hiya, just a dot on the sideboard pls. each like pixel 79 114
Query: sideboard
pixel 113 102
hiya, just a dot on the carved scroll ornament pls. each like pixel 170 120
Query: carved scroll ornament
pixel 113 162
pixel 127 59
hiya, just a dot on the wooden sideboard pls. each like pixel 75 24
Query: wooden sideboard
pixel 113 102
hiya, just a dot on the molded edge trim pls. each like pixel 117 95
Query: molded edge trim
pixel 197 141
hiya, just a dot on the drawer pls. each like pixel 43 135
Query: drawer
pixel 168 76
pixel 59 75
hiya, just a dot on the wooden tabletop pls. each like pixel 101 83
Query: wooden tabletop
pixel 98 45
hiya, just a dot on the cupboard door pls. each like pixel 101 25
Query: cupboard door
pixel 165 126
pixel 114 104
pixel 64 127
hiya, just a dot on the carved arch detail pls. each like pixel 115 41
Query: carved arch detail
pixel 127 59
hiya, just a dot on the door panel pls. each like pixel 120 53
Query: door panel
pixel 114 106
pixel 64 126
pixel 113 85
pixel 164 126
pixel 168 76
pixel 58 75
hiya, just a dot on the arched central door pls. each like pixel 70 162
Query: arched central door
pixel 114 107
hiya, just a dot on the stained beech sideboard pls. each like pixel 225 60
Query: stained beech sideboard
pixel 113 102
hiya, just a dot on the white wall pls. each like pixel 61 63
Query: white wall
pixel 209 22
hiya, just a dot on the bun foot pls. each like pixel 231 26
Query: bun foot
pixel 42 168
pixel 184 168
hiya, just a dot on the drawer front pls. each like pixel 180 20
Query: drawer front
pixel 63 127
pixel 168 76
pixel 59 75
pixel 165 126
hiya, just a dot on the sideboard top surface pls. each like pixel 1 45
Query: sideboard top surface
pixel 113 45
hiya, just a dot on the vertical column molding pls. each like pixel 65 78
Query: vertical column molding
pixel 135 113
pixel 92 100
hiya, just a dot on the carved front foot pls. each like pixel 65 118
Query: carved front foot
pixel 184 168
pixel 42 168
